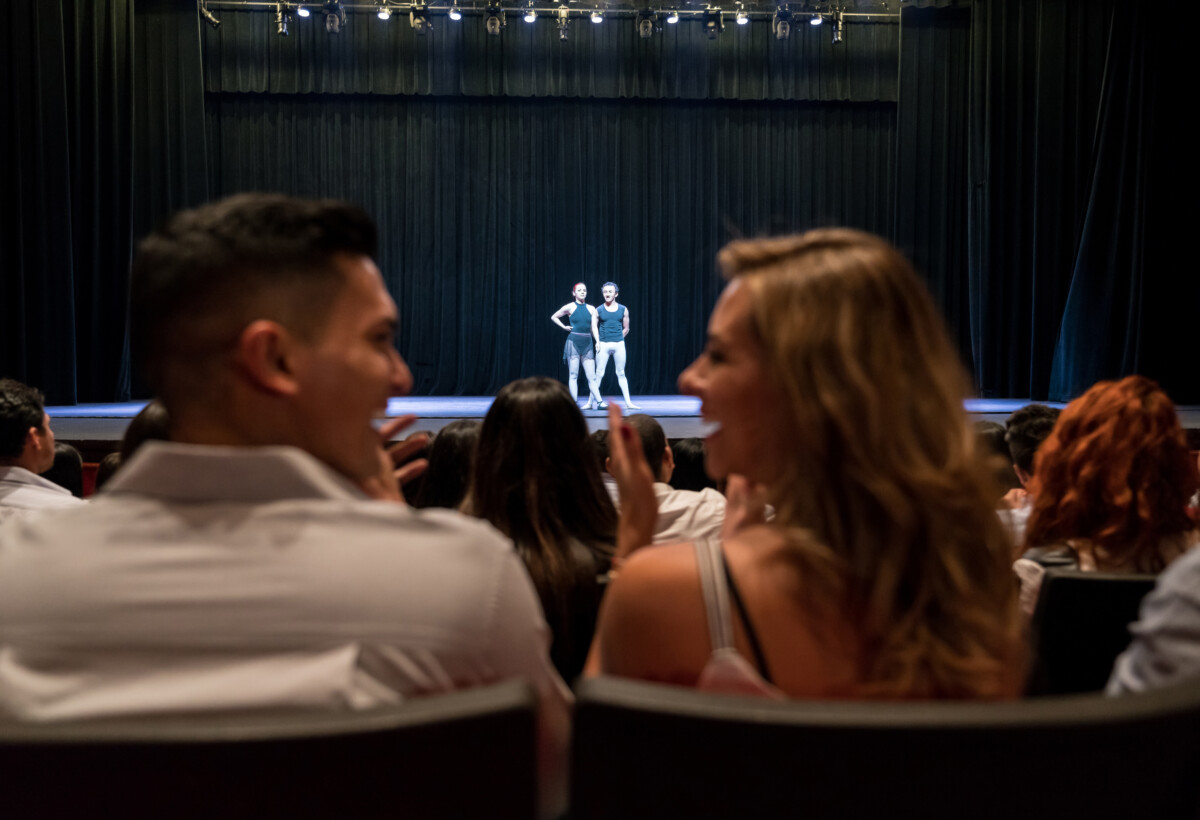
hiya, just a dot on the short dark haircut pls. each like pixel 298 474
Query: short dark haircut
pixel 21 407
pixel 67 471
pixel 196 278
pixel 600 447
pixel 152 423
pixel 106 469
pixel 612 285
pixel 654 441
pixel 1027 428
pixel 689 465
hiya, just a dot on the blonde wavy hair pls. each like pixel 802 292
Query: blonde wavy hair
pixel 884 491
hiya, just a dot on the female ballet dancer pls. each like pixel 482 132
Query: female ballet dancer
pixel 579 345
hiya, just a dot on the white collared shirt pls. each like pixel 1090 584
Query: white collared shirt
pixel 22 491
pixel 218 579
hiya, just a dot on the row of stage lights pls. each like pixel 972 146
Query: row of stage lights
pixel 648 21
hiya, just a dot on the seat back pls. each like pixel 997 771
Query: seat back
pixel 463 754
pixel 1080 625
pixel 648 750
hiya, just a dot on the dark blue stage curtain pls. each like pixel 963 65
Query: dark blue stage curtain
pixel 1021 152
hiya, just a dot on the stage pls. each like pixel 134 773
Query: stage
pixel 91 427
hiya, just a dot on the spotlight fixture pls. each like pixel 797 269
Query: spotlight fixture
pixel 335 16
pixel 302 11
pixel 564 15
pixel 645 24
pixel 530 14
pixel 495 22
pixel 283 16
pixel 208 16
pixel 837 28
pixel 384 13
pixel 672 17
pixel 418 18
pixel 455 14
pixel 742 18
pixel 816 20
pixel 782 25
pixel 713 24
pixel 597 16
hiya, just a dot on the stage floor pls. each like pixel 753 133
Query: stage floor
pixel 679 415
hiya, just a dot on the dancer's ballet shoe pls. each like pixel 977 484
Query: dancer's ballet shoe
pixel 631 406
pixel 603 405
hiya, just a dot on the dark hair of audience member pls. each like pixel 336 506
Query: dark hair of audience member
pixel 889 510
pixel 994 451
pixel 451 457
pixel 654 441
pixel 689 465
pixel 415 486
pixel 599 440
pixel 1116 472
pixel 205 273
pixel 21 407
pixel 152 423
pixel 1025 431
pixel 106 469
pixel 67 471
pixel 536 480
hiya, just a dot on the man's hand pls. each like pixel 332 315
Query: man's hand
pixel 385 485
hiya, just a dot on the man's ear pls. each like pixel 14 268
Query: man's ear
pixel 608 465
pixel 668 467
pixel 266 353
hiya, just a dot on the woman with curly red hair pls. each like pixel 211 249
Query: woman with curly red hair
pixel 1111 484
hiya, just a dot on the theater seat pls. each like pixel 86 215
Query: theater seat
pixel 1080 625
pixel 465 754
pixel 644 750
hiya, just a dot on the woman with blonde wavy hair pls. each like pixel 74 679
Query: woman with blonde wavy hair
pixel 835 397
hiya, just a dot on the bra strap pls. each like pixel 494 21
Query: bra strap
pixel 716 595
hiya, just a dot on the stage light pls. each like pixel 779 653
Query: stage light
pixel 597 16
pixel 782 26
pixel 303 11
pixel 741 18
pixel 672 17
pixel 283 16
pixel 816 20
pixel 564 22
pixel 837 28
pixel 384 13
pixel 645 24
pixel 495 22
pixel 208 16
pixel 418 18
pixel 455 14
pixel 335 16
pixel 713 24
pixel 530 14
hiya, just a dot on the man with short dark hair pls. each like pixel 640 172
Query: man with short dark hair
pixel 243 564
pixel 26 451
pixel 683 515
pixel 1024 432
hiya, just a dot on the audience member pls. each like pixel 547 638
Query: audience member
pixel 1110 486
pixel 152 423
pixel 105 470
pixel 1166 639
pixel 451 458
pixel 683 515
pixel 26 451
pixel 689 466
pixel 67 470
pixel 994 450
pixel 1024 433
pixel 537 482
pixel 837 398
pixel 242 565
pixel 600 449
